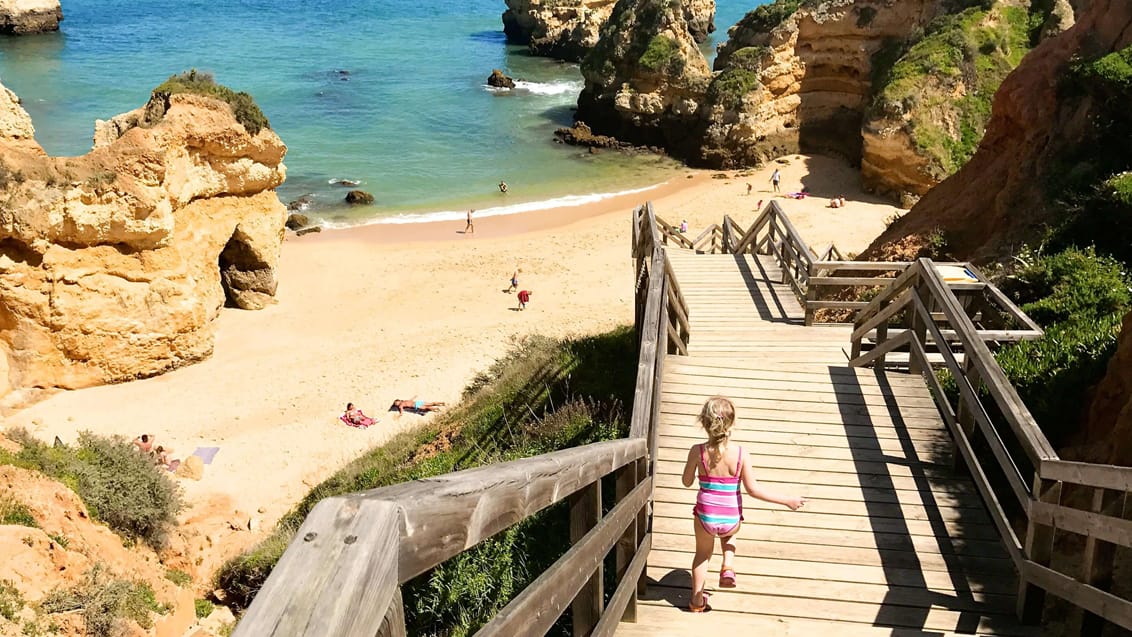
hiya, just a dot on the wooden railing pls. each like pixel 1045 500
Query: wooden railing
pixel 1022 478
pixel 342 573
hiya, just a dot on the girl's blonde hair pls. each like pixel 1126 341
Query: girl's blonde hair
pixel 717 417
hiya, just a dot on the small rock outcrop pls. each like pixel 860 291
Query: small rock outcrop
pixel 359 197
pixel 18 17
pixel 499 80
pixel 569 29
pixel 645 78
pixel 114 265
pixel 580 135
pixel 1052 126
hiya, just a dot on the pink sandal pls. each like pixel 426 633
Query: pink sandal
pixel 702 608
pixel 727 577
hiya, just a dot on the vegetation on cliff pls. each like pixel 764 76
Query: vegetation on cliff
pixel 966 55
pixel 119 486
pixel 244 107
pixel 542 397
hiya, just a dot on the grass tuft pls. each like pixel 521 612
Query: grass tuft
pixel 14 512
pixel 107 602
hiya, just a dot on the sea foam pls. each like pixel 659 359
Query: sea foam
pixel 560 87
pixel 567 201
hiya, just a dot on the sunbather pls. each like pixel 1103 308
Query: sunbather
pixel 416 406
pixel 355 418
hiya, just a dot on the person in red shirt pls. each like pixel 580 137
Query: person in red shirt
pixel 524 298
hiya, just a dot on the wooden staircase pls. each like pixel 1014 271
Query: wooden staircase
pixel 892 540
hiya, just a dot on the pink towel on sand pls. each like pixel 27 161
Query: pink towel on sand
pixel 362 423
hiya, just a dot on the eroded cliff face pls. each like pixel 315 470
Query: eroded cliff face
pixel 645 78
pixel 114 265
pixel 19 17
pixel 1107 434
pixel 1043 131
pixel 804 83
pixel 569 29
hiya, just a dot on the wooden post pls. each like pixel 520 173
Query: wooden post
pixel 918 327
pixel 585 513
pixel 626 479
pixel 1038 548
pixel 644 519
pixel 1096 567
pixel 964 415
pixel 394 623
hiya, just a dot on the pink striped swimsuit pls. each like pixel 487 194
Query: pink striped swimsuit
pixel 719 504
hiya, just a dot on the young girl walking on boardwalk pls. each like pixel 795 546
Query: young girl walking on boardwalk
pixel 718 513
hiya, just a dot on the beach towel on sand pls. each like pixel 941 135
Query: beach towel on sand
pixel 362 423
pixel 206 454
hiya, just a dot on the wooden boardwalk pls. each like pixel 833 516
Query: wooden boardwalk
pixel 891 542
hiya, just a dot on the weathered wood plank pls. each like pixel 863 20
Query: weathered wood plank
pixel 337 577
pixel 536 609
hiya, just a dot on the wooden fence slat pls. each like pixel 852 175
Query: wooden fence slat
pixel 1094 600
pixel 536 609
pixel 626 594
pixel 338 577
pixel 585 513
pixel 394 623
pixel 1104 476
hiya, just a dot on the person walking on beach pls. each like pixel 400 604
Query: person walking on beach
pixel 514 281
pixel 749 187
pixel 524 298
pixel 722 468
pixel 775 177
pixel 471 227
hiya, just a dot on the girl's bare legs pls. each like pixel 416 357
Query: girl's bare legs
pixel 727 547
pixel 705 543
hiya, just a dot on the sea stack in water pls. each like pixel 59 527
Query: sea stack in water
pixel 645 79
pixel 114 265
pixel 499 80
pixel 568 29
pixel 359 197
pixel 18 17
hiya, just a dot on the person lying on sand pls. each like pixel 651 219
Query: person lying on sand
pixel 355 418
pixel 415 406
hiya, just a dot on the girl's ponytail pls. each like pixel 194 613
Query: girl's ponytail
pixel 717 417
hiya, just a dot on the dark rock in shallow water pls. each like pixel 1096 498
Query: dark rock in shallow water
pixel 359 197
pixel 499 80
pixel 302 203
pixel 580 135
pixel 308 230
pixel 296 221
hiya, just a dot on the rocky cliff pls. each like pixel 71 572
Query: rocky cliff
pixel 1049 158
pixel 569 29
pixel 645 78
pixel 1107 435
pixel 114 265
pixel 18 17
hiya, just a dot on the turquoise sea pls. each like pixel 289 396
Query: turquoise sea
pixel 390 94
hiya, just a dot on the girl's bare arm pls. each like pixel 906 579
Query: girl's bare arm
pixel 755 490
pixel 690 466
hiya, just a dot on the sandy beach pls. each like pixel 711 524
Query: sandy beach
pixel 389 311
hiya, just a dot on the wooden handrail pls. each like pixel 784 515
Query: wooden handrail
pixel 1104 525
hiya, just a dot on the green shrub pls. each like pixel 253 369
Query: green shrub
pixel 729 87
pixel 203 608
pixel 766 17
pixel 244 107
pixel 1079 298
pixel 541 397
pixel 179 577
pixel 748 58
pixel 11 602
pixel 106 602
pixel 14 512
pixel 59 539
pixel 119 486
pixel 663 56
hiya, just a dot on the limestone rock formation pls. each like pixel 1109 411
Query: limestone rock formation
pixel 1043 131
pixel 499 80
pixel 18 17
pixel 359 197
pixel 568 29
pixel 114 265
pixel 645 78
